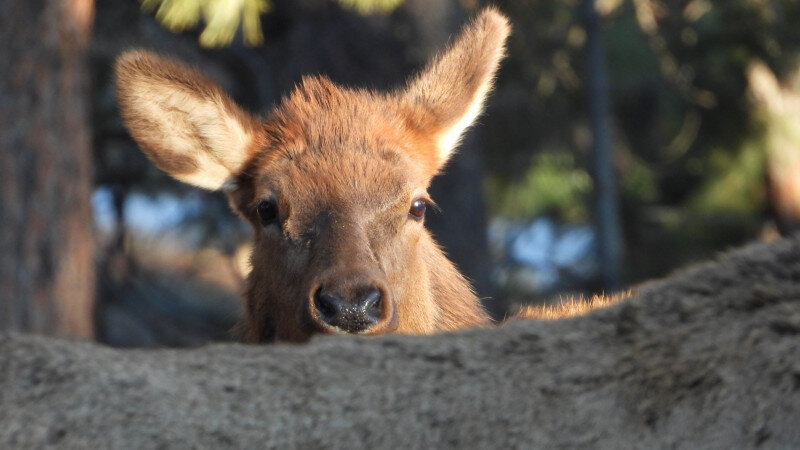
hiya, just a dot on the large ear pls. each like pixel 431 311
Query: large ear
pixel 182 120
pixel 451 90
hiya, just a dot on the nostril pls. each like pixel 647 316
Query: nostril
pixel 357 313
pixel 328 306
pixel 372 304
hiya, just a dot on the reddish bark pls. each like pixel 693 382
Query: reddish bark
pixel 46 263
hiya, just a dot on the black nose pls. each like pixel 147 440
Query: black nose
pixel 360 314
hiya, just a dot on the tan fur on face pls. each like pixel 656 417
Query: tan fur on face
pixel 344 167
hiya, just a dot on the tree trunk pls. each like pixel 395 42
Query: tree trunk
pixel 609 232
pixel 46 262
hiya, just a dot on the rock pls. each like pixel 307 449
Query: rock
pixel 709 357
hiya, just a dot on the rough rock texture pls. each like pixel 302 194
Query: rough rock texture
pixel 707 358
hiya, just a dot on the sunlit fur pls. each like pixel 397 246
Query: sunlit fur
pixel 344 165
pixel 570 307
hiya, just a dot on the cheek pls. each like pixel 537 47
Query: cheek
pixel 399 254
pixel 277 266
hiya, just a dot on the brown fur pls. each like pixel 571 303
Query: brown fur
pixel 570 307
pixel 344 166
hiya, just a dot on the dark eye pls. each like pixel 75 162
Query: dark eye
pixel 417 210
pixel 267 211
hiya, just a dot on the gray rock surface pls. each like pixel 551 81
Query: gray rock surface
pixel 709 358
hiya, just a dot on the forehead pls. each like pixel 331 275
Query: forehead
pixel 328 144
pixel 372 179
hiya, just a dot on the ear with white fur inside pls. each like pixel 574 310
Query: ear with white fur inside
pixel 182 120
pixel 452 89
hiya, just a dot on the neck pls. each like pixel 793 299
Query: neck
pixel 457 303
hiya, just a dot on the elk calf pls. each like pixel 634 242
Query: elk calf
pixel 333 181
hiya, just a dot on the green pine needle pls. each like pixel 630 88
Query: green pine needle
pixel 224 17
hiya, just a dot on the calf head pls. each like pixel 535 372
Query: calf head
pixel 333 181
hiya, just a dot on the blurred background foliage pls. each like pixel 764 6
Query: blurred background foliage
pixel 223 18
pixel 687 131
pixel 705 132
pixel 697 136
